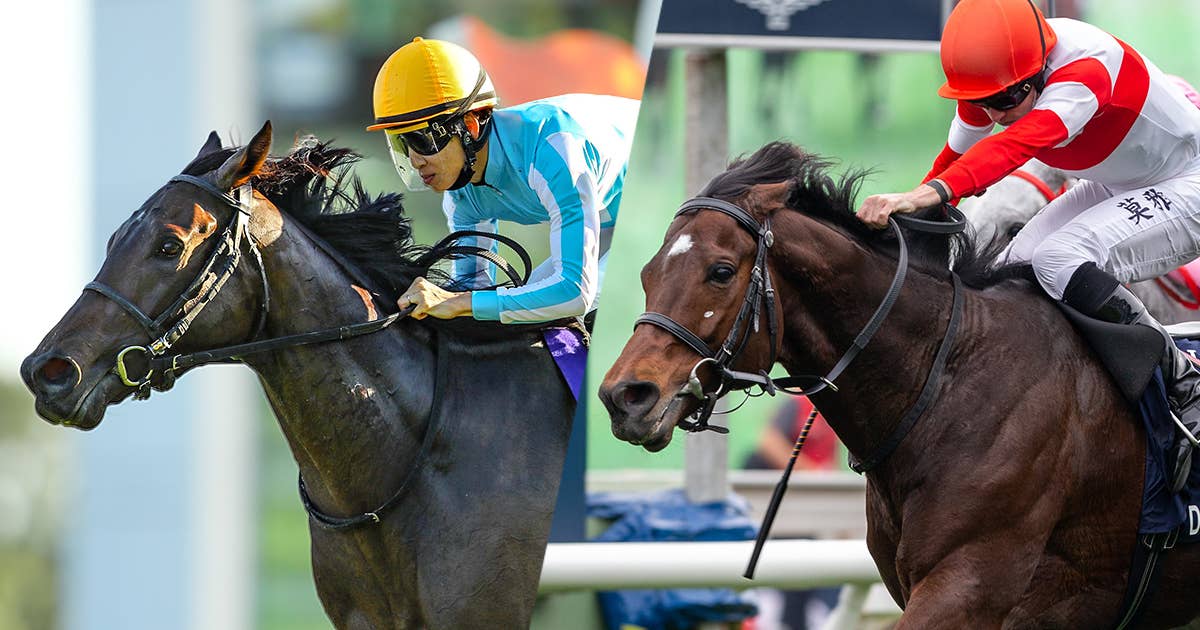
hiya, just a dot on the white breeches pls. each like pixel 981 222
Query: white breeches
pixel 1134 234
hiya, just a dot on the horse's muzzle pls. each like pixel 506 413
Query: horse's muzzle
pixel 50 375
pixel 55 379
pixel 629 400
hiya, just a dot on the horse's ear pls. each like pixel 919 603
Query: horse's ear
pixel 246 162
pixel 777 194
pixel 213 143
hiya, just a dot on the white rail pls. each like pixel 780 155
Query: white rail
pixel 784 564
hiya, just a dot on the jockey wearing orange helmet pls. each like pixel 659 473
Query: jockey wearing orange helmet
pixel 1083 101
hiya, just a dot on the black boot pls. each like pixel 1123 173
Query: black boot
pixel 1095 293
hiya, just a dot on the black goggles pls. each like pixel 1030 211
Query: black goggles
pixel 1010 96
pixel 426 141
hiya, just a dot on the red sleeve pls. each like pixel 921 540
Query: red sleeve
pixel 994 157
pixel 969 114
pixel 942 162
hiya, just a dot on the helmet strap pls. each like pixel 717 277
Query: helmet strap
pixel 472 144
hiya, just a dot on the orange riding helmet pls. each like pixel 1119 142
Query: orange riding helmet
pixel 989 45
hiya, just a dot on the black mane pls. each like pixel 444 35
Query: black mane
pixel 313 184
pixel 816 193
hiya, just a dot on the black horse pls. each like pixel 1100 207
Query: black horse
pixel 1012 500
pixel 429 452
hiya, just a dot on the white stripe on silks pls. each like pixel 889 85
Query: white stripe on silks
pixel 570 149
pixel 963 136
pixel 1073 102
pixel 550 311
pixel 473 268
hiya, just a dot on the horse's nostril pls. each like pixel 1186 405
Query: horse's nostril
pixel 56 371
pixel 55 375
pixel 636 398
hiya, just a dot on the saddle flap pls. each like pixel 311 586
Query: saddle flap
pixel 1129 352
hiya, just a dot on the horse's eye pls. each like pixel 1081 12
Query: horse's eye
pixel 721 273
pixel 170 248
pixel 1016 227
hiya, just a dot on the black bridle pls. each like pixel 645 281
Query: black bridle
pixel 170 325
pixel 760 296
pixel 160 369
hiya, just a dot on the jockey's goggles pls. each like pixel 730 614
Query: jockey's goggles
pixel 1010 96
pixel 426 141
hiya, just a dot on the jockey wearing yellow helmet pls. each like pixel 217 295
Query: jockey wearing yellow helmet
pixel 558 161
pixel 1081 100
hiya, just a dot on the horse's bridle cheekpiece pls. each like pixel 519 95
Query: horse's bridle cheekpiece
pixel 160 369
pixel 760 296
pixel 166 329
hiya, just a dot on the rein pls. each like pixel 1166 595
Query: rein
pixel 758 294
pixel 160 369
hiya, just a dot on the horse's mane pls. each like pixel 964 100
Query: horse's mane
pixel 313 185
pixel 816 193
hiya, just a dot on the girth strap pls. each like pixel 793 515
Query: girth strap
pixel 1144 572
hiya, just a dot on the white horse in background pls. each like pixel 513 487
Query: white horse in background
pixel 1009 204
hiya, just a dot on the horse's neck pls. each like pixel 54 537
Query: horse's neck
pixel 342 405
pixel 834 290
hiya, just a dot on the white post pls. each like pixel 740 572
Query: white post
pixel 706 154
pixel 848 613
pixel 224 432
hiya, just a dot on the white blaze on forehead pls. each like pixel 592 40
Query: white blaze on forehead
pixel 681 244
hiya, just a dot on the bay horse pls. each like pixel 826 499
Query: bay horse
pixel 1012 501
pixel 998 214
pixel 429 452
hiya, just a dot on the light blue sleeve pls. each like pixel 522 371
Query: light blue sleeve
pixel 470 271
pixel 564 174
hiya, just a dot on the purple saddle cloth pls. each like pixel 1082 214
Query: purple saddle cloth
pixel 567 347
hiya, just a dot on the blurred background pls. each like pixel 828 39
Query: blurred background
pixel 182 511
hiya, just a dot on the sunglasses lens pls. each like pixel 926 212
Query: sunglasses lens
pixel 1007 99
pixel 422 142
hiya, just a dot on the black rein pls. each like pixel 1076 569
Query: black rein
pixel 165 330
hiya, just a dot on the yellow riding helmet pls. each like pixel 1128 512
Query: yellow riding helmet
pixel 427 78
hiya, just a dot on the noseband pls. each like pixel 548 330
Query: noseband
pixel 166 329
pixel 760 295
pixel 160 369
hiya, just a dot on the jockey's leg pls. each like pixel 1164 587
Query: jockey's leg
pixel 1135 235
pixel 1050 219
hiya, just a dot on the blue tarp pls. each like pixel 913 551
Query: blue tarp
pixel 668 516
